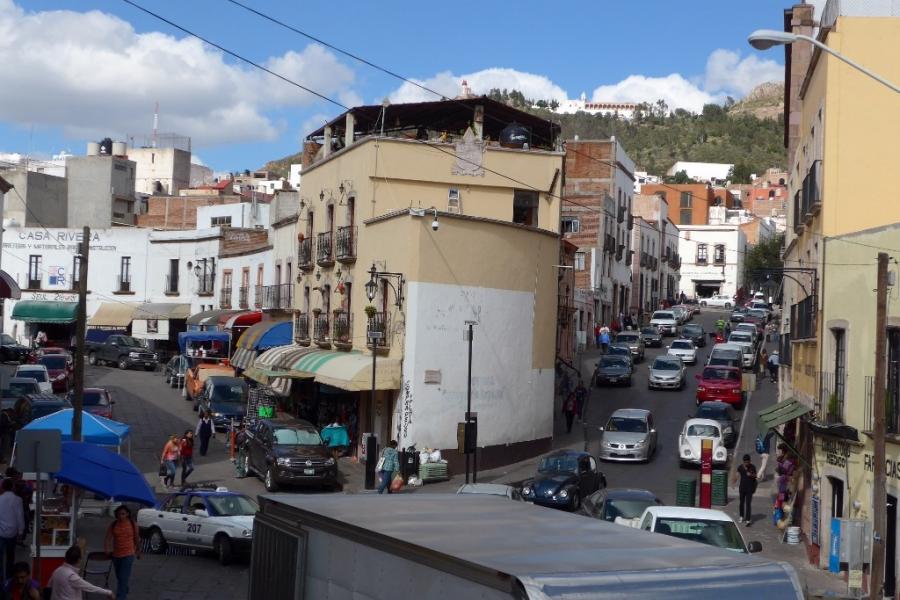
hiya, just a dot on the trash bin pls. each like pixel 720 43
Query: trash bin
pixel 686 491
pixel 719 488
pixel 409 462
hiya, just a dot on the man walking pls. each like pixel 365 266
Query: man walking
pixel 205 430
pixel 763 447
pixel 747 487
pixel 12 525
pixel 581 396
pixel 568 409
pixel 773 365
pixel 604 338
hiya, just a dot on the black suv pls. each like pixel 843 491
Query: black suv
pixel 288 452
pixel 34 406
pixel 11 350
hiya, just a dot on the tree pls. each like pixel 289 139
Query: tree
pixel 679 177
pixel 763 263
pixel 740 173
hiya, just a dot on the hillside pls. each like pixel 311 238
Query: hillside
pixel 747 133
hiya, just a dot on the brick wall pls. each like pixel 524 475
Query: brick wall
pixel 242 241
pixel 178 212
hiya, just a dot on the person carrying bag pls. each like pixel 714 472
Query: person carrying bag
pixel 387 465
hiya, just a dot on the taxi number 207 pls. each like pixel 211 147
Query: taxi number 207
pixel 193 528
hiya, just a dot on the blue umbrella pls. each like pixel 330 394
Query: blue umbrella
pixel 105 473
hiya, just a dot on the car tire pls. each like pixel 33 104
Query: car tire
pixel 576 501
pixel 269 480
pixel 727 305
pixel 157 543
pixel 123 364
pixel 92 358
pixel 223 549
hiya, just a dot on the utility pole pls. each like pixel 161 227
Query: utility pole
pixel 879 497
pixel 470 442
pixel 78 403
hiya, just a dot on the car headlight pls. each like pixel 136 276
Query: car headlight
pixel 155 356
pixel 564 494
pixel 700 388
pixel 247 533
pixel 282 461
pixel 685 450
pixel 329 462
pixel 640 444
pixel 133 355
pixel 608 445
pixel 527 491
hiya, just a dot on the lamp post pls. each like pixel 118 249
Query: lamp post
pixel 764 39
pixel 470 441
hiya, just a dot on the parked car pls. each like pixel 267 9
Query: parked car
pixel 563 478
pixel 59 369
pixel 611 504
pixel 762 307
pixel 718 300
pixel 692 434
pixel 16 387
pixel 619 349
pixel 37 372
pixel 762 313
pixel 695 333
pixel 703 525
pixel 196 375
pixel 683 349
pixel 34 406
pixel 723 383
pixel 738 315
pixel 748 348
pixel 175 370
pixel 225 399
pixel 725 355
pixel 217 520
pixel 652 337
pixel 96 401
pixel 490 489
pixel 11 350
pixel 665 322
pixel 612 369
pixel 723 414
pixel 681 314
pixel 748 328
pixel 629 435
pixel 123 351
pixel 666 372
pixel 288 451
pixel 635 342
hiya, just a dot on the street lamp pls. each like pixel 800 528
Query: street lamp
pixel 470 439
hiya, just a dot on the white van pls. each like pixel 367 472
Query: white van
pixel 665 321
pixel 730 355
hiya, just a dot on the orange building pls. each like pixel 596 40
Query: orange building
pixel 689 202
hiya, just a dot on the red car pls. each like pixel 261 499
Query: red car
pixel 97 401
pixel 720 383
pixel 60 370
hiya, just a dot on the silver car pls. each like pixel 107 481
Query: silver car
pixel 628 436
pixel 635 342
pixel 666 372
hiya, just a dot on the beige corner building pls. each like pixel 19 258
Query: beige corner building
pixel 459 202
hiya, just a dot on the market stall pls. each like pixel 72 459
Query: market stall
pixel 207 344
pixel 94 429
pixel 258 338
pixel 55 319
pixel 159 323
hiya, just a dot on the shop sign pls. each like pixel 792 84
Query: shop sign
pixel 834 554
pixel 891 467
pixel 836 452
pixel 49 297
pixel 814 530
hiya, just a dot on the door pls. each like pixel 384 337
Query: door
pixel 192 525
pixel 890 548
pixel 169 516
pixel 837 497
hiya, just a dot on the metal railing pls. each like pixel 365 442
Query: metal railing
pixel 172 283
pixel 324 249
pixel 305 254
pixel 320 327
pixel 243 297
pixel 345 243
pixel 205 284
pixel 891 401
pixel 225 298
pixel 123 282
pixel 378 322
pixel 275 296
pixel 342 328
pixel 803 319
pixel 832 392
pixel 301 328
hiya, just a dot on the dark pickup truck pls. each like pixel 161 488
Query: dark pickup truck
pixel 123 351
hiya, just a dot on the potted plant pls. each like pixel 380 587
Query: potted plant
pixel 371 311
pixel 833 406
pixel 317 311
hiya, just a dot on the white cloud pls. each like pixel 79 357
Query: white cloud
pixel 727 72
pixel 674 89
pixel 537 87
pixel 91 74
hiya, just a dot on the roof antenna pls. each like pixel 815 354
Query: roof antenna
pixel 155 122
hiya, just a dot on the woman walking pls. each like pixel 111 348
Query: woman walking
pixel 169 459
pixel 205 430
pixel 187 456
pixel 124 545
pixel 390 464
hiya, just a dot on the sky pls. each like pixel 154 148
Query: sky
pixel 75 72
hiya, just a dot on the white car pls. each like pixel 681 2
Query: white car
pixel 747 328
pixel 665 322
pixel 681 314
pixel 683 349
pixel 721 300
pixel 37 372
pixel 703 525
pixel 748 349
pixel 691 437
pixel 217 520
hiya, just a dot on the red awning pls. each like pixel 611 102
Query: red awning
pixel 241 319
pixel 8 287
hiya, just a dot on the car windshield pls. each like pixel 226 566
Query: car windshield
pixel 20 388
pixel 228 394
pixel 703 430
pixel 661 364
pixel 42 410
pixel 6 339
pixel 232 506
pixel 625 508
pixel 721 374
pixel 650 331
pixel 285 436
pixel 707 411
pixel 740 337
pixel 627 338
pixel 131 341
pixel 613 361
pixel 627 425
pixel 663 316
pixel 721 534
pixel 36 374
pixel 622 350
pixel 558 464
pixel 682 345
pixel 692 330
pixel 95 399
pixel 54 361
pixel 757 313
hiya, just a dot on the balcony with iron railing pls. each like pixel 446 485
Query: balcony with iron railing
pixel 275 296
pixel 225 298
pixel 205 284
pixel 342 330
pixel 123 283
pixel 345 244
pixel 891 401
pixel 172 284
pixel 832 392
pixel 325 249
pixel 301 329
pixel 609 243
pixel 244 297
pixel 378 322
pixel 305 254
pixel 320 330
pixel 803 319
pixel 810 198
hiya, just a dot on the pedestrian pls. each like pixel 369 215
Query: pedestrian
pixel 568 409
pixel 727 329
pixel 187 455
pixel 763 445
pixel 205 430
pixel 21 586
pixel 597 333
pixel 169 459
pixel 581 396
pixel 604 339
pixel 240 444
pixel 67 584
pixel 746 472
pixel 763 363
pixel 123 544
pixel 389 464
pixel 40 339
pixel 23 490
pixel 7 432
pixel 12 525
pixel 773 365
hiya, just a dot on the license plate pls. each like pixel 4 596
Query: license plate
pixel 309 471
pixel 613 379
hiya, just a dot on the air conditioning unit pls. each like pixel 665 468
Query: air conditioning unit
pixel 454 204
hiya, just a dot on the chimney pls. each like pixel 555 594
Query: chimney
pixel 310 149
pixel 798 20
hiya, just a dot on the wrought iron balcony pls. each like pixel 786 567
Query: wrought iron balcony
pixel 320 329
pixel 244 297
pixel 225 298
pixel 205 284
pixel 301 329
pixel 345 244
pixel 275 296
pixel 172 283
pixel 325 249
pixel 305 254
pixel 832 391
pixel 342 329
pixel 123 283
pixel 378 322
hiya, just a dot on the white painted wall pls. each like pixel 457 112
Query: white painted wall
pixel 700 171
pixel 514 402
pixel 187 247
pixel 735 250
pixel 294 176
pixel 243 214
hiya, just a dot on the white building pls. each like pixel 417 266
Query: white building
pixel 625 110
pixel 642 177
pixel 715 173
pixel 244 215
pixel 161 171
pixel 712 259
pixel 295 176
pixel 56 166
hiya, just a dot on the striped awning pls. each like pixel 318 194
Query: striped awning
pixel 113 314
pixel 351 371
pixel 162 311
pixel 272 367
pixel 241 319
pixel 262 336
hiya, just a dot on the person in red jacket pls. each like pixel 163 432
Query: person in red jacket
pixel 187 456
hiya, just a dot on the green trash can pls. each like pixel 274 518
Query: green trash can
pixel 686 491
pixel 719 488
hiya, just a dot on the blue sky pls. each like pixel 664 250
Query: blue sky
pixel 81 75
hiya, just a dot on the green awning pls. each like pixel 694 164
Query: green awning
pixel 779 414
pixel 45 311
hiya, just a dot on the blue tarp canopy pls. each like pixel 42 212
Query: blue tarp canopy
pixel 103 472
pixel 94 429
pixel 194 337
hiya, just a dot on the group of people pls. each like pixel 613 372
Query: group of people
pixel 749 476
pixel 603 333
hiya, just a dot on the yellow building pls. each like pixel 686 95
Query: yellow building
pixel 841 136
pixel 461 199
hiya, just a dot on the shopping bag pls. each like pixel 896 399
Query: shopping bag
pixel 163 471
pixel 397 483
pixel 379 466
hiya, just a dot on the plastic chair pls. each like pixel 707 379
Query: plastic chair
pixel 99 565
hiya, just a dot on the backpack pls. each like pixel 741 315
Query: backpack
pixel 760 445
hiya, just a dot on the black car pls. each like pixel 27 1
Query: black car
pixel 175 370
pixel 652 337
pixel 612 503
pixel 723 413
pixel 563 478
pixel 613 369
pixel 11 350
pixel 695 333
pixel 34 406
pixel 225 399
pixel 288 452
